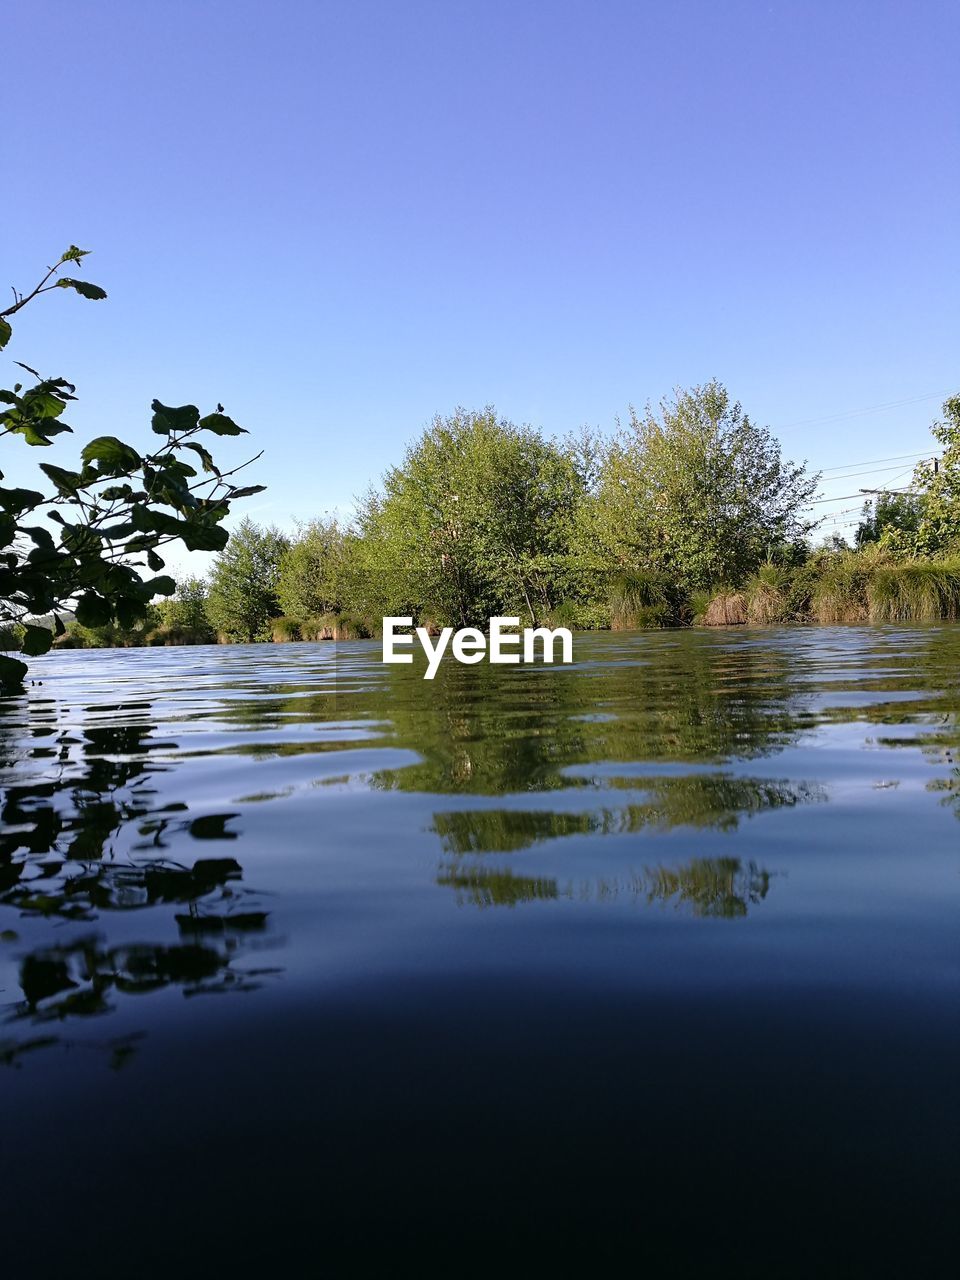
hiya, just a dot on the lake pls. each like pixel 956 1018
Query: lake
pixel 651 962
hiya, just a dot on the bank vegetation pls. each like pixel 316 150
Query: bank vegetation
pixel 687 514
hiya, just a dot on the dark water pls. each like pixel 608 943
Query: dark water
pixel 650 965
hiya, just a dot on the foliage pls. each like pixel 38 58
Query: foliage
pixel 243 585
pixel 871 585
pixel 312 570
pixel 285 629
pixel 699 492
pixel 892 514
pixel 185 619
pixel 938 530
pixel 476 521
pixel 82 542
pixel 110 635
pixel 643 600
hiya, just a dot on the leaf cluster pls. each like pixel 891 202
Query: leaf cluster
pixel 90 541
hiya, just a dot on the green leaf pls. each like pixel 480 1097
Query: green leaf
pixel 46 559
pixel 167 420
pixel 203 537
pixel 154 561
pixel 129 611
pixel 37 433
pixel 205 457
pixel 73 254
pixel 41 537
pixel 221 425
pixel 83 287
pixel 118 579
pixel 5 332
pixel 58 627
pixel 117 532
pixel 36 640
pixel 149 520
pixel 82 540
pixel 112 454
pixel 93 610
pixel 40 402
pixel 247 491
pixel 163 586
pixel 67 482
pixel 12 672
pixel 17 500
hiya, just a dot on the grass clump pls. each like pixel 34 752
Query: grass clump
pixel 726 609
pixel 767 595
pixel 643 600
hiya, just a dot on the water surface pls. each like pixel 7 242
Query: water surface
pixel 651 960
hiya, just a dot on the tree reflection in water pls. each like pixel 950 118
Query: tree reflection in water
pixel 62 858
pixel 722 888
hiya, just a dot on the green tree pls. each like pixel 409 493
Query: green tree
pixel 82 542
pixel 244 581
pixel 311 571
pixel 186 617
pixel 891 514
pixel 476 521
pixel 698 492
pixel 110 635
pixel 938 530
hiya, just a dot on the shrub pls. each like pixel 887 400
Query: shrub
pixel 284 629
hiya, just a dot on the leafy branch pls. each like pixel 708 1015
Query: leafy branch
pixel 105 522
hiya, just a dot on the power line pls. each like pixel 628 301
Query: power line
pixel 887 488
pixel 842 497
pixel 869 462
pixel 875 471
pixel 856 413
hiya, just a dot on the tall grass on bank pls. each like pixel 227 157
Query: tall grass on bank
pixel 641 599
pixel 922 591
pixel 843 587
pixel 327 626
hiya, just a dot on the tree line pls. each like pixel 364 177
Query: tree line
pixel 687 512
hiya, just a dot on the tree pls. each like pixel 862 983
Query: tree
pixel 243 585
pixel 475 522
pixel 186 618
pixel 893 513
pixel 81 544
pixel 698 492
pixel 311 570
pixel 938 530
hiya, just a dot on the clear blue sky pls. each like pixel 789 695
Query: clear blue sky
pixel 341 218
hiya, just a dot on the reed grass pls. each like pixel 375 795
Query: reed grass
pixel 843 587
pixel 642 599
pixel 726 609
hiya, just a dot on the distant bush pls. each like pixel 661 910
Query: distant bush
pixel 285 629
pixel 11 636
